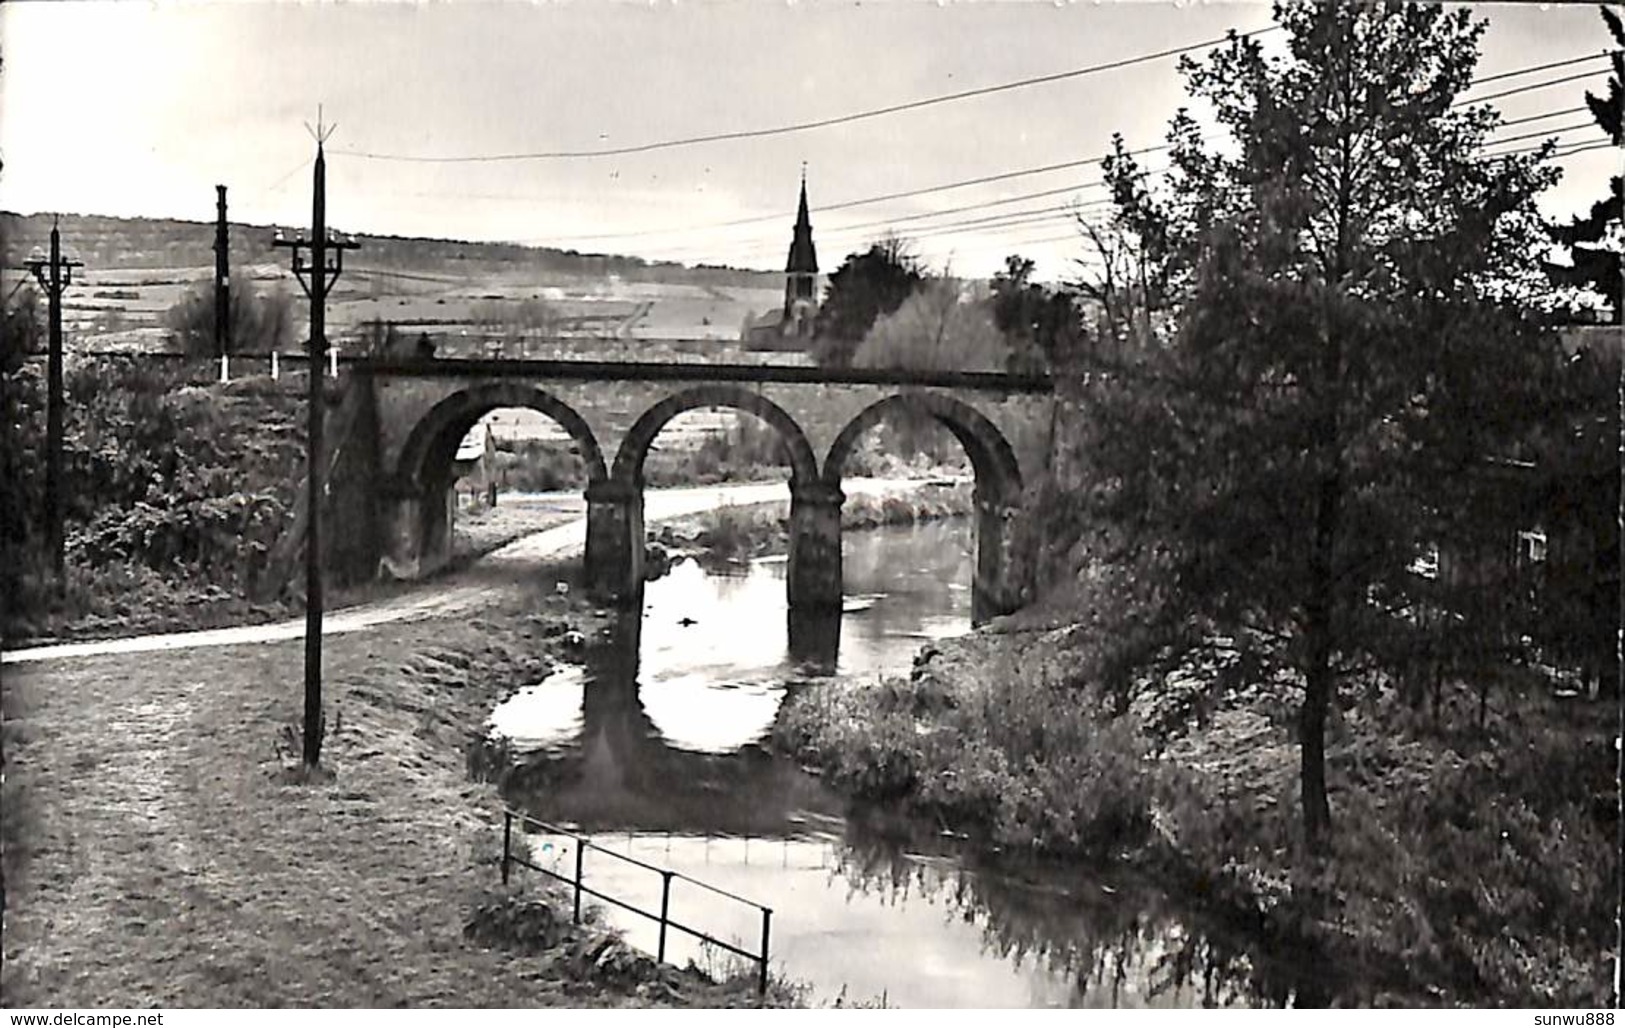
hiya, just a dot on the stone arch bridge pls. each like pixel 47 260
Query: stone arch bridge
pixel 401 421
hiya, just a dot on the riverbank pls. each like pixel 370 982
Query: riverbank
pixel 147 604
pixel 736 532
pixel 151 605
pixel 1467 868
pixel 163 847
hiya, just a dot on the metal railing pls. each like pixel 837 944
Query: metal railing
pixel 663 919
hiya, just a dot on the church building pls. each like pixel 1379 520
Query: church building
pixel 791 327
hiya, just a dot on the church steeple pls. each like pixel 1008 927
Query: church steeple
pixel 801 271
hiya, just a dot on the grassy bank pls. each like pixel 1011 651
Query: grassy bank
pixel 1468 867
pixel 746 531
pixel 164 849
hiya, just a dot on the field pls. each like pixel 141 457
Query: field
pixel 136 269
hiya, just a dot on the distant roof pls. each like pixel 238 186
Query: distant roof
pixel 473 445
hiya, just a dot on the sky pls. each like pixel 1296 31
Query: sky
pixel 140 108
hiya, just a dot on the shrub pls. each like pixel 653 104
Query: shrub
pixel 173 494
pixel 1009 751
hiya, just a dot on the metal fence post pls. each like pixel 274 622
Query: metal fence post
pixel 581 851
pixel 507 837
pixel 665 905
pixel 767 921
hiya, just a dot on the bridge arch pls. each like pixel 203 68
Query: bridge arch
pixel 998 473
pixel 430 445
pixel 635 446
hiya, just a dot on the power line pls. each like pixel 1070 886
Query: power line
pixel 1543 135
pixel 1017 220
pixel 980 180
pixel 865 201
pixel 1541 117
pixel 1072 189
pixel 1599 145
pixel 1530 88
pixel 1004 176
pixel 1536 148
pixel 1542 67
pixel 804 126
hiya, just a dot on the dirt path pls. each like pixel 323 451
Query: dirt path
pixel 499 575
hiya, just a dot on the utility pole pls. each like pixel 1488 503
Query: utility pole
pixel 54 275
pixel 317 275
pixel 222 277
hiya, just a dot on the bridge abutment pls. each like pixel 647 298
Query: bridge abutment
pixel 814 570
pixel 417 531
pixel 613 563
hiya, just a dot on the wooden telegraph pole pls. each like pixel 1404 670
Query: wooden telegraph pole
pixel 54 275
pixel 317 276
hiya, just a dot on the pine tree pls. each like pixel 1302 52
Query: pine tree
pixel 1344 358
pixel 1595 264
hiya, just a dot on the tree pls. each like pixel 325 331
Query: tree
pixel 22 444
pixel 260 322
pixel 1042 326
pixel 864 287
pixel 1347 356
pixel 1596 241
pixel 23 329
pixel 1610 110
pixel 1578 512
pixel 942 326
pixel 379 338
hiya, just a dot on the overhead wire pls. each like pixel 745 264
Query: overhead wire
pixel 825 208
pixel 1018 220
pixel 995 177
pixel 1514 73
pixel 843 205
pixel 1529 88
pixel 1021 218
pixel 818 123
pixel 1024 218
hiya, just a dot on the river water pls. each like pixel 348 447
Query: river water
pixel 658 748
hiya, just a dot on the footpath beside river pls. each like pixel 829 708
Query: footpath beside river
pixel 162 847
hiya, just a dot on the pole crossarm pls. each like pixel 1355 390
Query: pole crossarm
pixel 330 255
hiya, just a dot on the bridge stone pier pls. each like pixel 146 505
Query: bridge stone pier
pixel 612 412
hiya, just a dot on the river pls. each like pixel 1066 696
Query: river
pixel 658 747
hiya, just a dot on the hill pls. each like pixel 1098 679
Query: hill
pixel 455 291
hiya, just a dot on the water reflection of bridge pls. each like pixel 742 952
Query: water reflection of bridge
pixel 623 771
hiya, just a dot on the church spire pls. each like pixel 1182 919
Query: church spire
pixel 800 273
pixel 803 256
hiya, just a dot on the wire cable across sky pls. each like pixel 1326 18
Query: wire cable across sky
pixel 805 126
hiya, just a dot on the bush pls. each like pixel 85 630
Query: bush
pixel 1008 750
pixel 173 495
pixel 260 322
